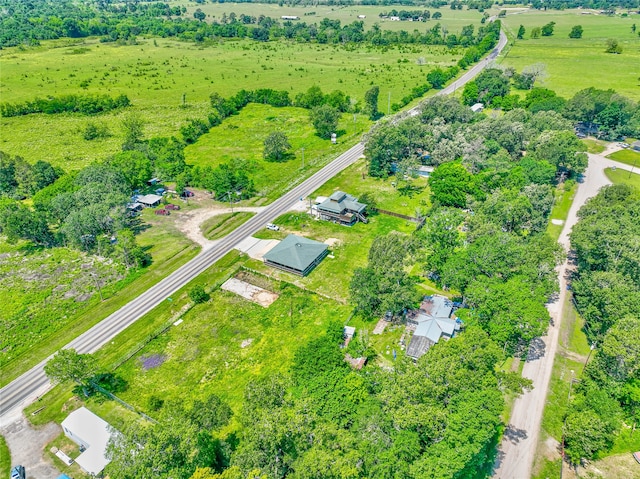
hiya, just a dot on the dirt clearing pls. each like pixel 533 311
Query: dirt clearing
pixel 251 292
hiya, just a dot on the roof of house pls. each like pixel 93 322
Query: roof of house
pixel 437 307
pixel 636 144
pixel 434 328
pixel 428 332
pixel 349 331
pixel 149 199
pixel 296 252
pixel 340 201
pixel 94 432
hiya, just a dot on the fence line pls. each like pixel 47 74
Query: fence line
pixel 261 273
pixel 419 221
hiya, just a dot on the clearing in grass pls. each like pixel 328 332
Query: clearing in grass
pixel 221 225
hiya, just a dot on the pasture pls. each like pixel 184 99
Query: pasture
pixel 452 20
pixel 235 139
pixel 157 74
pixel 574 64
pixel 627 156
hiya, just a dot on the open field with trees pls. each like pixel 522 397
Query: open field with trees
pixel 576 63
pixel 169 82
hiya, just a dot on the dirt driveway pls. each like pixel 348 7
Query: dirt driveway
pixel 27 447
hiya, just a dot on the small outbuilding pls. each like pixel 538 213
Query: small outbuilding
pixel 342 208
pixel 290 17
pixel 296 255
pixel 92 434
pixel 149 201
pixel 477 107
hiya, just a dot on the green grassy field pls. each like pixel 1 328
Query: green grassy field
pixel 355 181
pixel 574 64
pixel 167 246
pixel 628 157
pixel 242 136
pixel 620 176
pixel 219 226
pixel 594 146
pixel 5 458
pixel 157 73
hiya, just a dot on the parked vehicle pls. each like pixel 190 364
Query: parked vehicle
pixel 272 227
pixel 18 472
pixel 636 456
pixel 172 207
pixel 187 194
pixel 163 212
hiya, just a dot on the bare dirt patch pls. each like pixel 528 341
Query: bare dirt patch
pixel 332 242
pixel 251 292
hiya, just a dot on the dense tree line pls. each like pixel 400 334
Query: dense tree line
pixel 492 194
pixel 42 20
pixel 85 104
pixel 607 293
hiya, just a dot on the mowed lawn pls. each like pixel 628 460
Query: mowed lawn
pixel 620 176
pixel 574 64
pixel 157 73
pixel 242 137
pixel 627 156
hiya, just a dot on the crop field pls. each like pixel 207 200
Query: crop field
pixel 157 73
pixel 235 139
pixel 452 20
pixel 574 64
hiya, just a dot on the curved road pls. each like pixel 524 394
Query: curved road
pixel 520 440
pixel 34 382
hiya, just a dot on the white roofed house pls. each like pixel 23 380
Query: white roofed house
pixel 92 434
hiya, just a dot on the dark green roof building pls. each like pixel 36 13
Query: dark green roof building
pixel 296 255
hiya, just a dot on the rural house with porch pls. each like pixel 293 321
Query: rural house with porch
pixel 342 208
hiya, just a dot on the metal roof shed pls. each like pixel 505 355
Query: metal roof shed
pixel 296 255
pixel 91 432
pixel 150 200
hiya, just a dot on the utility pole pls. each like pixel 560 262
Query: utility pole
pixel 632 167
pixel 230 202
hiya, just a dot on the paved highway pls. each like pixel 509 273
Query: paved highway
pixel 23 390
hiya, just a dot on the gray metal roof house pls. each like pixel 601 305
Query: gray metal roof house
pixel 296 255
pixel 433 323
pixel 342 208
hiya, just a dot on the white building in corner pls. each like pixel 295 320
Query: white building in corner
pixel 91 433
